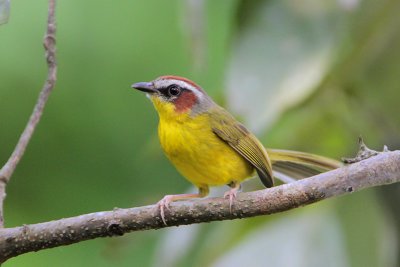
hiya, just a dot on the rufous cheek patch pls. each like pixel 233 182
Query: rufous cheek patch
pixel 185 101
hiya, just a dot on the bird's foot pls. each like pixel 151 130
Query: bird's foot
pixel 165 201
pixel 231 194
pixel 164 204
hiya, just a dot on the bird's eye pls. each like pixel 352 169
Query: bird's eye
pixel 174 90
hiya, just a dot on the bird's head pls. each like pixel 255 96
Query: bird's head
pixel 176 97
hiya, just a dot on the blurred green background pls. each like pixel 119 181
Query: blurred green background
pixel 307 75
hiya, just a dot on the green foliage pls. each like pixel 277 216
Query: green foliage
pixel 306 75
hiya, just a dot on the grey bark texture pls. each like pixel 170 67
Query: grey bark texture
pixel 381 169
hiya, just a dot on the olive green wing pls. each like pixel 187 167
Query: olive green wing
pixel 245 143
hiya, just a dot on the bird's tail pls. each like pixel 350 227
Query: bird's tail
pixel 289 166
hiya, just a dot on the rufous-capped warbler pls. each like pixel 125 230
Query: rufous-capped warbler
pixel 210 147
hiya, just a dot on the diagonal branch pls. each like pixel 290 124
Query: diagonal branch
pixel 49 44
pixel 378 170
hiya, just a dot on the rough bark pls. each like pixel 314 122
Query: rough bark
pixel 381 169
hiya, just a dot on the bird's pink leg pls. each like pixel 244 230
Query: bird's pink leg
pixel 165 201
pixel 231 194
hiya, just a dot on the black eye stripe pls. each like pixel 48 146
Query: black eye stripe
pixel 165 91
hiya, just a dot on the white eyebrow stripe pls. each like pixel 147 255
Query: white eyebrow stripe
pixel 182 84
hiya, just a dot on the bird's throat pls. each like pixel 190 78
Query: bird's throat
pixel 167 111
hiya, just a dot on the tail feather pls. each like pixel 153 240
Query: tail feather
pixel 299 165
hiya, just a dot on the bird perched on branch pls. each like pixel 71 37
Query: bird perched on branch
pixel 209 147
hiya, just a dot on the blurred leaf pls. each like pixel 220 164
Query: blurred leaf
pixel 310 239
pixel 368 231
pixel 194 20
pixel 208 26
pixel 4 11
pixel 176 244
pixel 282 51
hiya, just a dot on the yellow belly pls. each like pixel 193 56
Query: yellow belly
pixel 199 155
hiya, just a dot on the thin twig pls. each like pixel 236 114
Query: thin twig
pixel 50 51
pixel 381 169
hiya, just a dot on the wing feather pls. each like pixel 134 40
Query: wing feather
pixel 243 142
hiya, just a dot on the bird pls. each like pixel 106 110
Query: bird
pixel 209 147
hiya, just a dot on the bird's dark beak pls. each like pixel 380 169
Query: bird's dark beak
pixel 145 87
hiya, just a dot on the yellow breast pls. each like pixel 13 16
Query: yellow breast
pixel 197 153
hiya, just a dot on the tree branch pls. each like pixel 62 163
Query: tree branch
pixel 49 44
pixel 378 170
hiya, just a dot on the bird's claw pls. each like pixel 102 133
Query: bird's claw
pixel 162 205
pixel 231 194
